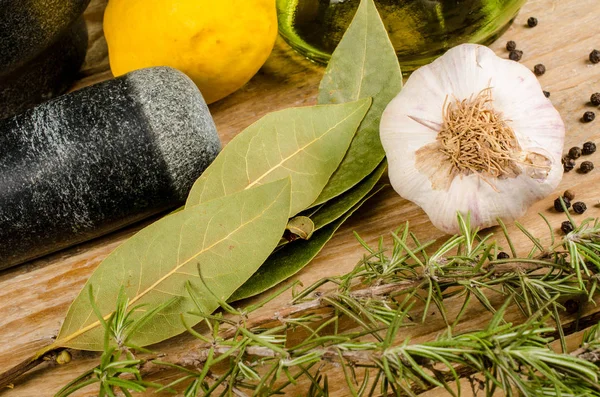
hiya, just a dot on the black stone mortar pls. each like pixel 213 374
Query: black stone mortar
pixel 42 46
pixel 92 161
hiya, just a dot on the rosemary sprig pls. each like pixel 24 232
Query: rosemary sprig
pixel 117 358
pixel 513 358
pixel 356 321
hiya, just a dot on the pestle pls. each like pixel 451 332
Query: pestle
pixel 95 160
pixel 42 45
pixel 46 76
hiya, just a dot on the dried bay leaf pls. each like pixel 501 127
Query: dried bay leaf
pixel 227 238
pixel 306 144
pixel 293 257
pixel 364 64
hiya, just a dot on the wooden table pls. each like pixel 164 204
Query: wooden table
pixel 35 297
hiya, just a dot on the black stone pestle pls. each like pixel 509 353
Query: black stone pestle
pixel 95 160
pixel 42 46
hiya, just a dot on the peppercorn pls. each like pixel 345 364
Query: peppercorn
pixel 568 163
pixel 503 255
pixel 595 99
pixel 588 117
pixel 532 22
pixel 589 148
pixel 575 152
pixel 539 69
pixel 566 227
pixel 511 45
pixel 546 94
pixel 579 207
pixel 569 195
pixel 572 306
pixel 515 55
pixel 595 56
pixel 558 205
pixel 586 167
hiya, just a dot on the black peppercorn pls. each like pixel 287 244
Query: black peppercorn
pixel 568 163
pixel 539 69
pixel 595 99
pixel 503 255
pixel 558 205
pixel 595 56
pixel 546 94
pixel 588 117
pixel 511 45
pixel 579 207
pixel 572 306
pixel 566 227
pixel 586 167
pixel 588 148
pixel 569 194
pixel 532 22
pixel 575 152
pixel 515 55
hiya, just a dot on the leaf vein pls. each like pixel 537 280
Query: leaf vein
pixel 303 148
pixel 153 287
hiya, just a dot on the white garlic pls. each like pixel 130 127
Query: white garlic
pixel 473 133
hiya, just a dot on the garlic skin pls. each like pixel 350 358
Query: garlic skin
pixel 412 121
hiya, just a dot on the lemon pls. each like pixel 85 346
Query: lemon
pixel 219 44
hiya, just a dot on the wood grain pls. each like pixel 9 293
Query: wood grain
pixel 35 297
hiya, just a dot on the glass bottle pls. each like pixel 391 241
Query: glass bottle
pixel 420 30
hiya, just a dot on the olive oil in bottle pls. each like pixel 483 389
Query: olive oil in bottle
pixel 420 30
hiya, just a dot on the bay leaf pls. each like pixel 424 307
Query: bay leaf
pixel 227 238
pixel 293 257
pixel 364 64
pixel 335 208
pixel 305 143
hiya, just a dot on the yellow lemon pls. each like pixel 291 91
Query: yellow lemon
pixel 219 44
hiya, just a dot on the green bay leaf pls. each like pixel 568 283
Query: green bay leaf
pixel 227 239
pixel 364 64
pixel 306 144
pixel 335 208
pixel 293 257
pixel 332 210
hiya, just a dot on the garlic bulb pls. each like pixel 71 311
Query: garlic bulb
pixel 472 132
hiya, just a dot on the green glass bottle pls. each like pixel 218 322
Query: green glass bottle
pixel 420 30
